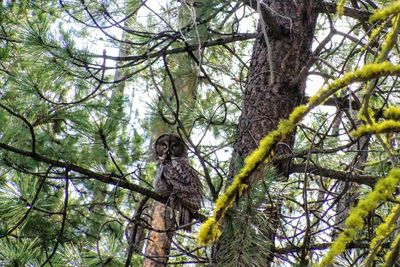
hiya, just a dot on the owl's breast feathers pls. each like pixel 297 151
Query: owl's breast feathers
pixel 183 182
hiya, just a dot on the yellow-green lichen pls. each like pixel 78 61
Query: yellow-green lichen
pixel 369 71
pixel 340 7
pixel 382 231
pixel 392 113
pixel 383 13
pixel 363 117
pixel 284 129
pixel 209 231
pixel 382 191
pixel 221 202
pixel 390 40
pixel 338 246
pixel 388 255
pixel 297 113
pixel 386 126
pixel 374 33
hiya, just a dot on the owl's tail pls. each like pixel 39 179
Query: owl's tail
pixel 185 217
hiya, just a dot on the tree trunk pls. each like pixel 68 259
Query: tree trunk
pixel 265 103
pixel 159 240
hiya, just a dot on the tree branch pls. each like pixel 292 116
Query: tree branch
pixel 193 47
pixel 330 7
pixel 333 174
pixel 105 178
pixel 340 102
pixel 322 246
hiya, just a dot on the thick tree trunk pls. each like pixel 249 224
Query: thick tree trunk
pixel 266 103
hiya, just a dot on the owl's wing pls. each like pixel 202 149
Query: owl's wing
pixel 185 183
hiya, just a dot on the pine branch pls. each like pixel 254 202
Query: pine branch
pixel 330 7
pixel 105 178
pixel 323 246
pixel 333 174
pixel 193 47
pixel 110 178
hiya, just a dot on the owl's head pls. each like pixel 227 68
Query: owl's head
pixel 169 146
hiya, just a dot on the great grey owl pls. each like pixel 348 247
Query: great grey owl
pixel 176 179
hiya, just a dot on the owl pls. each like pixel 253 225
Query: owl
pixel 176 179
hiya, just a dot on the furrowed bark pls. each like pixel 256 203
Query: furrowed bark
pixel 266 101
pixel 159 240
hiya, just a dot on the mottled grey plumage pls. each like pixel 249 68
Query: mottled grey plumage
pixel 176 179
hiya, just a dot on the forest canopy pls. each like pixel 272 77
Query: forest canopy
pixel 289 110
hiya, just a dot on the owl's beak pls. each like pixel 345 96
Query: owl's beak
pixel 167 154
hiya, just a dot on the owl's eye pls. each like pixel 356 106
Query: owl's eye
pixel 164 146
pixel 173 147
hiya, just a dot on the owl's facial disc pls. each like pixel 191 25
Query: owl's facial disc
pixel 166 153
pixel 165 147
pixel 173 147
